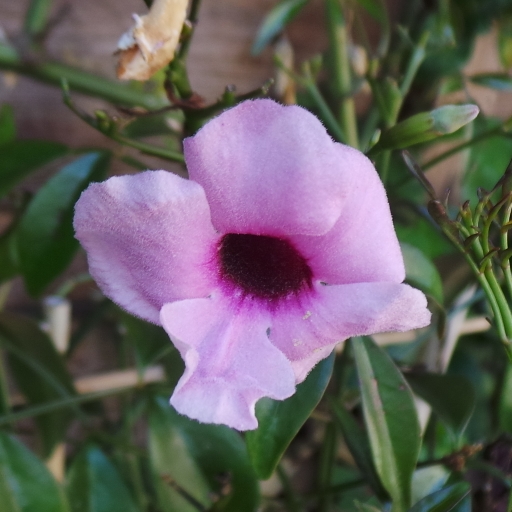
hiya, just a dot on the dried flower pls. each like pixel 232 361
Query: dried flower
pixel 279 246
pixel 150 44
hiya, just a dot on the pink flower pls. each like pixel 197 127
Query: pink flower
pixel 279 246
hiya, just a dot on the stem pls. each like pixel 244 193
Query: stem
pixel 482 279
pixel 78 80
pixel 452 151
pixel 55 405
pixel 43 372
pixel 338 43
pixel 192 18
pixel 417 57
pixel 326 462
pixel 149 149
pixel 327 115
pixel 504 245
pixel 4 396
pixel 290 496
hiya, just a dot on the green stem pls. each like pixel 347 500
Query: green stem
pixel 342 79
pixel 192 17
pixel 56 405
pixel 4 396
pixel 385 160
pixel 78 80
pixel 326 463
pixel 417 57
pixel 43 372
pixel 504 245
pixel 453 151
pixel 488 289
pixel 325 111
pixel 290 496
pixel 149 149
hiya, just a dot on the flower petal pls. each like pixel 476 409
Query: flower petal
pixel 362 246
pixel 230 362
pixel 268 169
pixel 307 330
pixel 149 240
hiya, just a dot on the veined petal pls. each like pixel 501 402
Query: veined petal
pixel 362 246
pixel 149 240
pixel 230 362
pixel 268 169
pixel 307 329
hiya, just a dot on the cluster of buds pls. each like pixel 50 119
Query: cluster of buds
pixel 481 234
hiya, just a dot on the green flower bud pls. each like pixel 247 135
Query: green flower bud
pixel 427 126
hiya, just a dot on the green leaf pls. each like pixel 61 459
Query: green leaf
pixel 364 507
pixel 190 460
pixel 499 81
pixel 20 158
pixel 149 341
pixel 279 421
pixel 451 396
pixel 388 98
pixel 275 22
pixel 504 24
pixel 391 420
pixel 39 372
pixel 26 485
pixel 45 237
pixel 449 499
pixel 7 125
pixel 94 484
pixel 425 236
pixel 487 160
pixel 421 272
pixel 359 446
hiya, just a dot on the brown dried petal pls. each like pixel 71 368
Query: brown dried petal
pixel 151 43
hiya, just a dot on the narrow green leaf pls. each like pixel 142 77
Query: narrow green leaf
pixel 421 272
pixel 449 499
pixel 7 125
pixel 388 98
pixel 39 372
pixel 390 418
pixel 359 446
pixel 193 462
pixel 375 8
pixel 504 24
pixel 95 485
pixel 26 485
pixel 499 81
pixel 451 396
pixel 364 507
pixel 45 237
pixel 9 267
pixel 19 158
pixel 275 22
pixel 279 421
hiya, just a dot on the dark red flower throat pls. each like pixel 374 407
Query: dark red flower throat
pixel 263 266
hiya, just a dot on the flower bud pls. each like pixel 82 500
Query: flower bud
pixel 427 126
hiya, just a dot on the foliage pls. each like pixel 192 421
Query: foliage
pixel 419 426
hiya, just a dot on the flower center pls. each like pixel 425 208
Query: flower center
pixel 263 266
